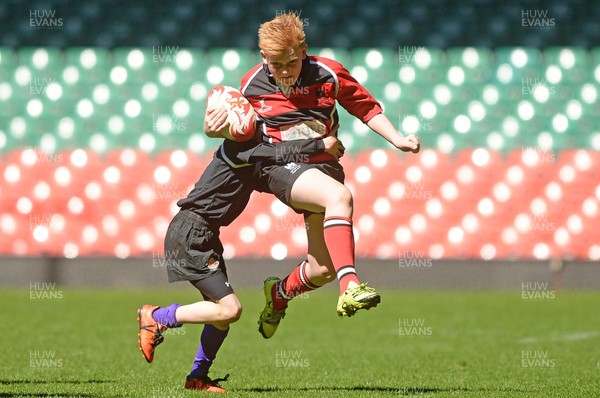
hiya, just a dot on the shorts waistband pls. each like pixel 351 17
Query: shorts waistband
pixel 192 214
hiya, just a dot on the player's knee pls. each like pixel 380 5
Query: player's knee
pixel 328 276
pixel 341 197
pixel 325 274
pixel 231 313
pixel 321 275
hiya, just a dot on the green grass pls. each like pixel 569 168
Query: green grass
pixel 469 345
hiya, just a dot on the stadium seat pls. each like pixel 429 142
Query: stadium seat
pixel 228 65
pixel 45 63
pixel 8 62
pixel 475 64
pixel 91 65
pixel 573 62
pixel 338 54
pixel 373 65
pixel 104 137
pixel 139 64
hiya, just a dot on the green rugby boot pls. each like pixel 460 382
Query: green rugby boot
pixel 360 297
pixel 269 317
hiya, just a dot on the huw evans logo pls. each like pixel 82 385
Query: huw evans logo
pixel 164 54
pixel 536 19
pixel 44 359
pixel 530 85
pixel 39 85
pixel 408 54
pixel 536 291
pixel 297 13
pixel 165 123
pixel 536 359
pixel 290 359
pixel 413 259
pixel 537 154
pixel 540 222
pixel 413 327
pixel 166 259
pixel 44 291
pixel 412 190
pixel 289 222
pixel 44 19
pixel 413 123
pixel 285 155
pixel 168 191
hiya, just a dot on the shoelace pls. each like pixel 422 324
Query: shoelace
pixel 216 382
pixel 364 288
pixel 157 334
pixel 275 316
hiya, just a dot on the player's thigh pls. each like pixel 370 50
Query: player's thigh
pixel 214 287
pixel 314 190
pixel 318 255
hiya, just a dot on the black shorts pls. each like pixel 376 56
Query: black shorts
pixel 193 252
pixel 279 180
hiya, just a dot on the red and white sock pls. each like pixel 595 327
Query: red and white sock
pixel 291 286
pixel 339 239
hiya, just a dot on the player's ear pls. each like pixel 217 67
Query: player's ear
pixel 264 56
pixel 305 47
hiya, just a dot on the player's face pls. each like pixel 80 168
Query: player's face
pixel 286 67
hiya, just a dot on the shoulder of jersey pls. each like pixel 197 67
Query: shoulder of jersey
pixel 332 63
pixel 252 72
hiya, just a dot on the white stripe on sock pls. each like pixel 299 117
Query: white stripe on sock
pixel 345 271
pixel 304 281
pixel 282 293
pixel 336 221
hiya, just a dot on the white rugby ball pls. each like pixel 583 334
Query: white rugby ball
pixel 240 114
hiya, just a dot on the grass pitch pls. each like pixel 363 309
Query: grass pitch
pixel 425 344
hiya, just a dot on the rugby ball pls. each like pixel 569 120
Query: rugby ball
pixel 240 114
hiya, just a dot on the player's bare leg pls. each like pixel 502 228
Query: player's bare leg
pixel 320 268
pixel 309 275
pixel 219 313
pixel 155 320
pixel 223 312
pixel 315 191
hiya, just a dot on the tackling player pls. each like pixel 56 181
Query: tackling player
pixel 193 250
pixel 295 96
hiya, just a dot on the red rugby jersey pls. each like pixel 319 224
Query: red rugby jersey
pixel 309 110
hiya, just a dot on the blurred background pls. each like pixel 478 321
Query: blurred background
pixel 101 112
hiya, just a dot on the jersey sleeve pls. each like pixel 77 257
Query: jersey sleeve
pixel 353 97
pixel 248 76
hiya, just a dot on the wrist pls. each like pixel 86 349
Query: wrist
pixel 397 140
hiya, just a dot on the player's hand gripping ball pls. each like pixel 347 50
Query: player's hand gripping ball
pixel 240 114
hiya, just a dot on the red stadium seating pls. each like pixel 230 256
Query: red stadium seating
pixel 476 204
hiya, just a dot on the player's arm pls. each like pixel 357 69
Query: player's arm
pixel 361 104
pixel 382 126
pixel 280 153
pixel 292 151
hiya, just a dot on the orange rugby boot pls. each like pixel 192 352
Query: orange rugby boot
pixel 205 383
pixel 150 334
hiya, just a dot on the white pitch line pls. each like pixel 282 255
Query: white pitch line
pixel 564 337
